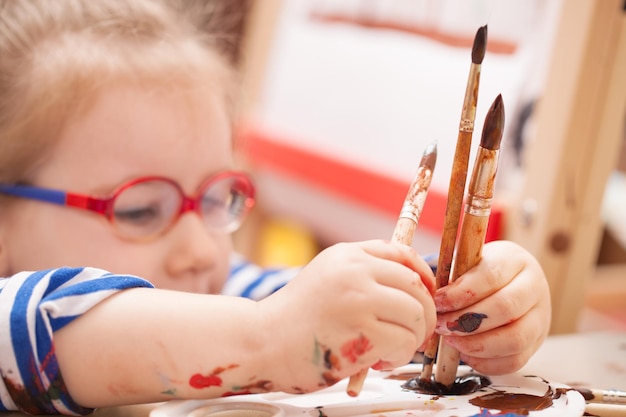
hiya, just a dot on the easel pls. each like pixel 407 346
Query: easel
pixel 580 122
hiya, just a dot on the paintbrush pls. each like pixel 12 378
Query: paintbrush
pixel 405 227
pixel 475 221
pixel 609 396
pixel 456 189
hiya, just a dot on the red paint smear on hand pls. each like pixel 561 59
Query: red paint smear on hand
pixel 355 348
pixel 200 381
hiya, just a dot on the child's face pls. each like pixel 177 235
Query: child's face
pixel 129 133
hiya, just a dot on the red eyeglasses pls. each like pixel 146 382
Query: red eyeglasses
pixel 147 207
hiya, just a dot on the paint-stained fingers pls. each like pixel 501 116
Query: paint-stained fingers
pixel 380 344
pixel 501 308
pixel 501 263
pixel 395 346
pixel 515 342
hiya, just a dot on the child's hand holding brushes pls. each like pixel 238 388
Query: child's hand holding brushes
pixel 405 227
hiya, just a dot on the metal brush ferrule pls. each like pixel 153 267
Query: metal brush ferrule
pixel 478 206
pixel 613 396
pixel 466 125
pixel 480 194
pixel 410 211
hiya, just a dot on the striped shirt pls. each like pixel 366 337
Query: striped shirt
pixel 33 305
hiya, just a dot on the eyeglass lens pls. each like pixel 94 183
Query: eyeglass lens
pixel 148 208
pixel 223 204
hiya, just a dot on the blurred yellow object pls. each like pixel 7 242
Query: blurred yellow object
pixel 285 243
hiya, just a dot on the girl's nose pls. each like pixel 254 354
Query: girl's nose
pixel 196 255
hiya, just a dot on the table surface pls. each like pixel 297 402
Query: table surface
pixel 594 360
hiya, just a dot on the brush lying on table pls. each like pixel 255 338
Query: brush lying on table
pixel 605 403
pixel 607 396
pixel 405 228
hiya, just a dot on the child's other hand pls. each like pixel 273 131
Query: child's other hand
pixel 498 313
pixel 354 306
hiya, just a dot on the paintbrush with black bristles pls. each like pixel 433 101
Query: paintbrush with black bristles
pixel 475 221
pixel 456 189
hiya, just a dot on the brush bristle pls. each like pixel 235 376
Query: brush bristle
pixel 480 45
pixel 494 125
pixel 429 158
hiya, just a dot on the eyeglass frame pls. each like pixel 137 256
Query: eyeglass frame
pixel 104 206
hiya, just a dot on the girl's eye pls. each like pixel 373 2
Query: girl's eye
pixel 138 215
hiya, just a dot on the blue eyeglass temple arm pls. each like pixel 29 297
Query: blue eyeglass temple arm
pixel 35 193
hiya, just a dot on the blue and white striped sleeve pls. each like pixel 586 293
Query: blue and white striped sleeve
pixel 33 305
pixel 252 281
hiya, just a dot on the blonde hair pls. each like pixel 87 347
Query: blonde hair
pixel 56 56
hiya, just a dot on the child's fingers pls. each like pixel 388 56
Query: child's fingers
pixel 503 350
pixel 401 254
pixel 497 366
pixel 515 338
pixel 396 345
pixel 501 262
pixel 397 308
pixel 503 307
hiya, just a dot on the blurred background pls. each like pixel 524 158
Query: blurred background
pixel 341 98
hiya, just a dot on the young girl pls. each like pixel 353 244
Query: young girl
pixel 115 164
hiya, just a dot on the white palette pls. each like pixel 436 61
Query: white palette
pixel 381 396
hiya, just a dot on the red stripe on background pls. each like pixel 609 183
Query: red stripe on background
pixel 355 183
